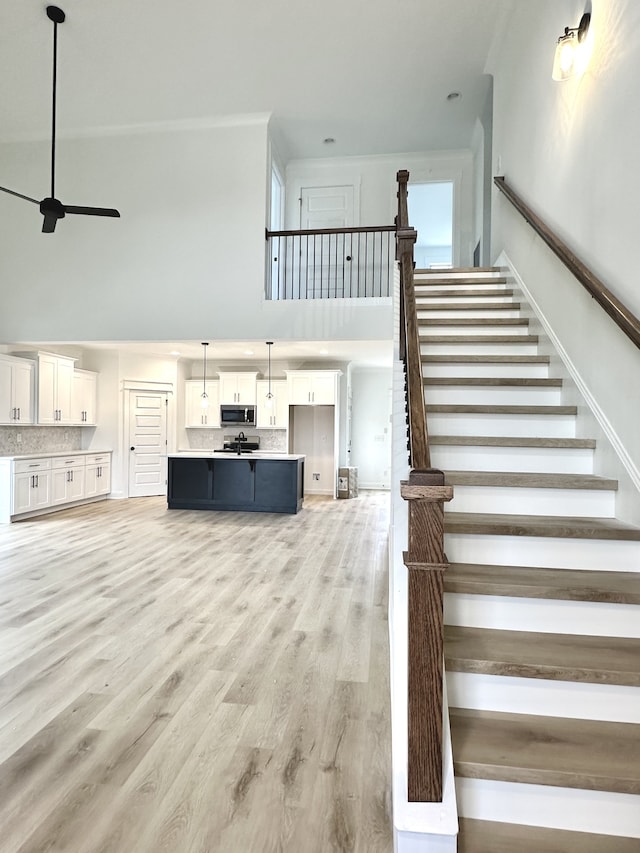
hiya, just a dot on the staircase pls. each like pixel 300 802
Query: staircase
pixel 542 595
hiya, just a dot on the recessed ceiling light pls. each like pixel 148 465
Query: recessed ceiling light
pixel 328 140
pixel 248 352
pixel 175 352
pixel 324 352
pixel 453 96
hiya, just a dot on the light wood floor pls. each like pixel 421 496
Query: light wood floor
pixel 195 681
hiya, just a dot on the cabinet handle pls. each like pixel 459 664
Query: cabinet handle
pixel 19 410
pixel 37 476
pixel 33 481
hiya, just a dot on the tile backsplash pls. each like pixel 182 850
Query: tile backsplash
pixel 36 439
pixel 273 440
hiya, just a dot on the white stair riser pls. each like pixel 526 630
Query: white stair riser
pixel 584 503
pixel 543 426
pixel 544 551
pixel 559 460
pixel 424 285
pixel 492 395
pixel 428 313
pixel 517 370
pixel 489 348
pixel 539 696
pixel 543 616
pixel 543 805
pixel 472 329
pixel 425 299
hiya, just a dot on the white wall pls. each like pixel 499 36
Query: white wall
pixel 570 150
pixel 187 253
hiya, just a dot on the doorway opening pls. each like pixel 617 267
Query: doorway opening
pixel 431 214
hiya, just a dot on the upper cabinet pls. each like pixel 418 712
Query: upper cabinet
pixel 55 381
pixel 238 388
pixel 197 415
pixel 84 395
pixel 313 387
pixel 276 414
pixel 16 390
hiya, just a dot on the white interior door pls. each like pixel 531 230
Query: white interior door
pixel 324 270
pixel 147 443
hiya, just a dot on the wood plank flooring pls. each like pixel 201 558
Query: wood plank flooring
pixel 195 681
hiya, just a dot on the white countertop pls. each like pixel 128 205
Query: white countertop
pixel 51 454
pixel 256 454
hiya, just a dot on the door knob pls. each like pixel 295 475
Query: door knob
pixel 132 448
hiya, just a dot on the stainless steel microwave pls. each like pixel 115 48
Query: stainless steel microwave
pixel 237 415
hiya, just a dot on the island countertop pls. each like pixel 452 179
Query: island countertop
pixel 220 454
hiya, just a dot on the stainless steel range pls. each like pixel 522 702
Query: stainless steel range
pixel 240 443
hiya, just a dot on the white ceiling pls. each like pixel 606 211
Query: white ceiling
pixel 236 353
pixel 372 74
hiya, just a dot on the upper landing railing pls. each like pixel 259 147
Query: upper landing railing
pixel 330 263
pixel 616 309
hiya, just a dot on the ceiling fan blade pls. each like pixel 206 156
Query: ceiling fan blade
pixel 49 224
pixel 20 195
pixel 91 211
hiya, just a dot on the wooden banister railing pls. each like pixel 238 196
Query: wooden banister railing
pixel 618 312
pixel 425 560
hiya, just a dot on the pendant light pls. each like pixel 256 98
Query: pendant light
pixel 204 397
pixel 269 398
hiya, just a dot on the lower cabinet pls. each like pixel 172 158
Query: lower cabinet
pixel 67 480
pixel 34 486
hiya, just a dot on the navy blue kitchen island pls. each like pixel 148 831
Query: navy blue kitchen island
pixel 256 482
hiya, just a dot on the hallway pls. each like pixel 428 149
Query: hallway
pixel 184 681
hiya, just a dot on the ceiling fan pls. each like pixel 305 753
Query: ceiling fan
pixel 52 208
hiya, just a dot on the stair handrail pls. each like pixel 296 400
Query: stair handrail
pixel 426 493
pixel 617 310
pixel 409 333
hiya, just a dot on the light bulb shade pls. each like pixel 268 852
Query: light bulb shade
pixel 564 62
pixel 572 51
pixel 204 400
pixel 268 401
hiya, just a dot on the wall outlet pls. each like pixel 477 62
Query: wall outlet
pixel 18 438
pixel 316 476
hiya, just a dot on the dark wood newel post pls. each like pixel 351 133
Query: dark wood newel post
pixel 425 560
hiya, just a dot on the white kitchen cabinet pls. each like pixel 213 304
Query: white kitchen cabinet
pixel 16 390
pixel 31 486
pixel 196 416
pixel 313 387
pixel 84 396
pixel 238 388
pixel 67 479
pixel 55 380
pixel 97 475
pixel 275 416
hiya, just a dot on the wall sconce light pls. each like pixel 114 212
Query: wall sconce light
pixel 269 398
pixel 568 60
pixel 204 397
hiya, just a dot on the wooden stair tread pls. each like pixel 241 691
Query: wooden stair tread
pixel 427 338
pixel 587 754
pixel 485 359
pixel 475 321
pixel 560 527
pixel 511 441
pixel 558 584
pixel 454 270
pixel 445 294
pixel 530 480
pixel 484 836
pixel 465 409
pixel 556 657
pixel 470 306
pixel 494 381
